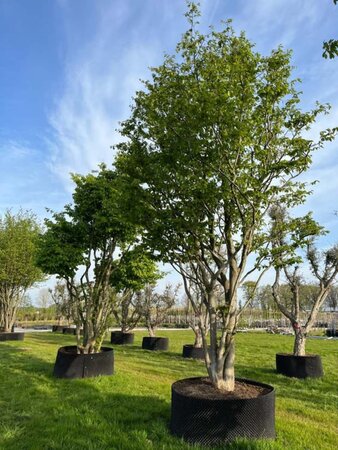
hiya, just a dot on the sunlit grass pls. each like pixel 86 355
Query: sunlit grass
pixel 131 409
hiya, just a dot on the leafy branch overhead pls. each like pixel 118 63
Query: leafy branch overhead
pixel 330 47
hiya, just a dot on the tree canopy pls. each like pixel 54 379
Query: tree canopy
pixel 18 248
pixel 82 244
pixel 214 139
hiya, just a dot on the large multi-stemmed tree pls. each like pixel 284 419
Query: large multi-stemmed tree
pixel 82 246
pixel 18 272
pixel 215 137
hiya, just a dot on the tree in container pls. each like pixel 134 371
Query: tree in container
pixel 214 139
pixel 197 315
pixel 133 271
pixel 289 237
pixel 18 272
pixel 81 245
pixel 155 307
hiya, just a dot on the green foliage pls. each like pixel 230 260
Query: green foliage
pixel 80 245
pixel 289 235
pixel 18 246
pixel 330 47
pixel 18 271
pixel 92 223
pixel 134 270
pixel 215 138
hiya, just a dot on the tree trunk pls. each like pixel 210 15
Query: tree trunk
pixel 300 341
pixel 198 337
pixel 8 317
pixel 213 369
pixel 229 369
pixel 151 331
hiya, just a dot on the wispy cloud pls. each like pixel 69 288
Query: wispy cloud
pixel 25 179
pixel 103 73
pixel 100 81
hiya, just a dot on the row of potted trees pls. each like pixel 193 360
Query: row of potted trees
pixel 205 179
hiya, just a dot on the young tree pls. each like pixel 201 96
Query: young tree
pixel 62 301
pixel 133 271
pixel 213 140
pixel 80 246
pixel 43 302
pixel 197 315
pixel 155 306
pixel 289 236
pixel 18 272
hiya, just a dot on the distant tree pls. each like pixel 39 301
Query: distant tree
pixel 213 140
pixel 155 306
pixel 330 47
pixel 264 298
pixel 199 320
pixel 64 308
pixel 289 236
pixel 132 272
pixel 80 246
pixel 43 302
pixel 18 271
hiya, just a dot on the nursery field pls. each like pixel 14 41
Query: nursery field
pixel 131 409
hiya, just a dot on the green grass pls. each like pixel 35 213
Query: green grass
pixel 131 409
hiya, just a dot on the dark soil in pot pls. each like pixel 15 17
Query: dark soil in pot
pixel 189 351
pixel 201 414
pixel 155 343
pixel 120 338
pixel 11 336
pixel 70 330
pixel 70 364
pixel 308 366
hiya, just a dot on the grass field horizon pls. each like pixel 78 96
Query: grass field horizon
pixel 131 409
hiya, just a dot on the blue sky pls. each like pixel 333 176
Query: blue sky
pixel 69 68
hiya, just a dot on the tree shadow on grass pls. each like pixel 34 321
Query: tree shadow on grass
pixel 58 339
pixel 93 413
pixel 311 391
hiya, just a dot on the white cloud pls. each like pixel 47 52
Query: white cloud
pixel 100 80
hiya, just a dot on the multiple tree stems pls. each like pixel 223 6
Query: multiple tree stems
pixel 294 281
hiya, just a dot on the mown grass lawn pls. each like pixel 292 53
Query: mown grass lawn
pixel 131 409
